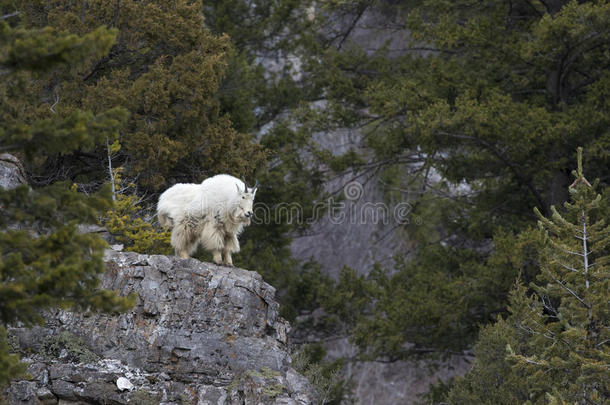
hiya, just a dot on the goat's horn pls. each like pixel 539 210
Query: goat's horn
pixel 255 184
pixel 245 184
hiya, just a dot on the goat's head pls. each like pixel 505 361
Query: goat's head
pixel 246 195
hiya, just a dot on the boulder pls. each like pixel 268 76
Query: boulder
pixel 199 334
pixel 11 171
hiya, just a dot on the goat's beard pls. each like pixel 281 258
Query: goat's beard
pixel 240 219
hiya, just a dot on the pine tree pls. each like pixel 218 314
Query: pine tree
pixel 44 261
pixel 502 94
pixel 569 319
pixel 554 347
pixel 165 69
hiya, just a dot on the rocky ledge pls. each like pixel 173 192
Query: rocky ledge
pixel 199 334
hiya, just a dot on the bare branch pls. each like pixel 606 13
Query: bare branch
pixel 565 287
pixel 584 243
pixel 57 98
pixel 6 16
pixel 603 342
pixel 353 25
pixel 569 268
pixel 563 249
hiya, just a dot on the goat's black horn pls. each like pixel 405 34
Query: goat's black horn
pixel 255 184
pixel 245 184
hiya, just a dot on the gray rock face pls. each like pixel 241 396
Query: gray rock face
pixel 199 334
pixel 11 171
pixel 400 382
pixel 367 220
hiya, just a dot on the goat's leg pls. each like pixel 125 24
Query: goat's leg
pixel 231 244
pixel 212 238
pixel 216 257
pixel 184 237
pixel 228 260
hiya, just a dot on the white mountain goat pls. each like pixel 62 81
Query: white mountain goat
pixel 212 213
pixel 172 202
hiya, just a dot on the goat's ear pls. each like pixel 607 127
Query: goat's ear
pixel 238 190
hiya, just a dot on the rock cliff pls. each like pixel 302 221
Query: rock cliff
pixel 199 334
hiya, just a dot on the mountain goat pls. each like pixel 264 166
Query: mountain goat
pixel 212 213
pixel 172 202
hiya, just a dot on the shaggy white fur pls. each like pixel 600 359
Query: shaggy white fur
pixel 212 213
pixel 173 200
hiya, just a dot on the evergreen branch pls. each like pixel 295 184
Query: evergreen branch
pixel 551 335
pixel 528 361
pixel 569 267
pixel 522 179
pixel 565 250
pixel 588 306
pixel 534 332
pixel 353 25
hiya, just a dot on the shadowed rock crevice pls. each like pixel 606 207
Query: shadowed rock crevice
pixel 199 334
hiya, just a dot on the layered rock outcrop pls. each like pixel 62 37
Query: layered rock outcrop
pixel 199 334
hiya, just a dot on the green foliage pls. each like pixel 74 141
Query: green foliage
pixel 491 380
pixel 438 312
pixel 435 300
pixel 269 390
pixel 264 24
pixel 165 70
pixel 129 223
pixel 45 261
pixel 144 397
pixel 553 347
pixel 185 399
pixel 30 54
pixel 10 366
pixel 136 234
pixel 265 378
pixel 46 48
pixel 504 94
pixel 75 349
pixel 437 392
pixel 325 377
pixel 261 31
pixel 479 108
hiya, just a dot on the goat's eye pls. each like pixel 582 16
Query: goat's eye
pixel 243 197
